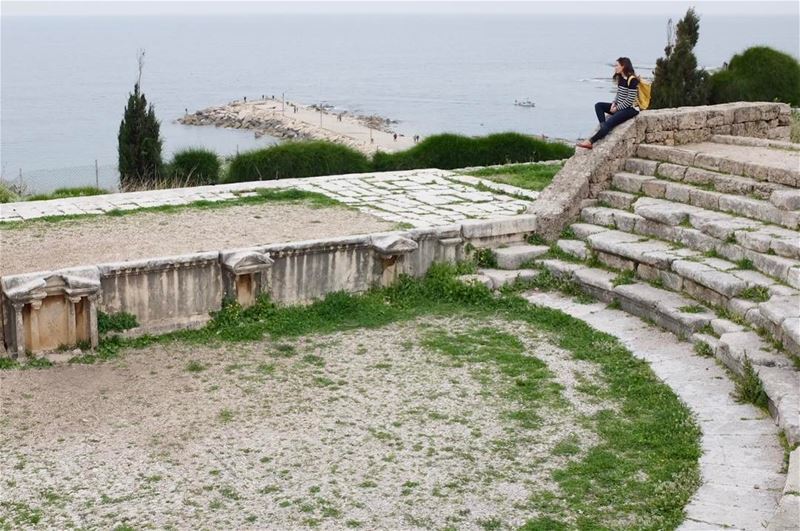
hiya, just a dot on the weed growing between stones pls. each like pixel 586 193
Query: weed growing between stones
pixel 703 349
pixel 749 388
pixel 624 277
pixel 755 293
pixel 115 322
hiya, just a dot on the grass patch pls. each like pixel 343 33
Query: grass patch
pixel 703 349
pixel 528 176
pixel 746 264
pixel 533 383
pixel 694 308
pixel 755 293
pixel 624 277
pixel 195 366
pixel 484 258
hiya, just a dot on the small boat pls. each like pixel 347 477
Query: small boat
pixel 524 103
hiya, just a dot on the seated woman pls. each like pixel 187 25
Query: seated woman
pixel 623 107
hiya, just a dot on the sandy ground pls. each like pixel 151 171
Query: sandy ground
pixel 42 246
pixel 365 429
pixel 349 127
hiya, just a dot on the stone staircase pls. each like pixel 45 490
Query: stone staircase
pixel 702 240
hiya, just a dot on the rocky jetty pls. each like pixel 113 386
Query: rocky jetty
pixel 292 121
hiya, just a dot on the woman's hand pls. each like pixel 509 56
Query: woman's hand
pixel 613 108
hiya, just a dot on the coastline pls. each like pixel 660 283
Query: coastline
pixel 289 120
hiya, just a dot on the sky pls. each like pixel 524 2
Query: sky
pixel 155 7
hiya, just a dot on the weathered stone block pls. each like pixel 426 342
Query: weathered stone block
pixel 707 161
pixel 751 208
pixel 583 230
pixel 677 192
pixel 576 248
pixel 671 171
pixel 746 114
pixel 641 166
pixel 704 199
pixel 515 256
pixel 783 176
pixel 786 199
pixel 629 182
pixel 616 262
pixel 654 188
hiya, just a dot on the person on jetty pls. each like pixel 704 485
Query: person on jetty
pixel 622 109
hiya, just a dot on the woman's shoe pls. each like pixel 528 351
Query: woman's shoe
pixel 585 144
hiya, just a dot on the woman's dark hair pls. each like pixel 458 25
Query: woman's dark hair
pixel 627 68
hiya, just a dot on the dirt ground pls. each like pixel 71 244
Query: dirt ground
pixel 43 246
pixel 367 428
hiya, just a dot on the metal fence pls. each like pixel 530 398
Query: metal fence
pixel 25 182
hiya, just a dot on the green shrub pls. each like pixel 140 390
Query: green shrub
pixel 758 74
pixel 448 151
pixel 115 322
pixel 194 167
pixel 79 191
pixel 7 195
pixel 296 159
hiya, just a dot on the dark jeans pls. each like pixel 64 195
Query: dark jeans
pixel 606 125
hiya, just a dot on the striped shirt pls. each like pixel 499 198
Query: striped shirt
pixel 626 92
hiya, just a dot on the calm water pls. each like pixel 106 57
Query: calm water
pixel 65 80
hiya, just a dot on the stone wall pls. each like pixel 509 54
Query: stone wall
pixel 45 310
pixel 590 171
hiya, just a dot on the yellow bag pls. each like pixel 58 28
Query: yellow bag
pixel 642 94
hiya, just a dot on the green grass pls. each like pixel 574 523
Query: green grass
pixel 644 466
pixel 529 176
pixel 624 277
pixel 755 293
pixel 703 349
pixel 533 382
pixel 115 322
pixel 694 308
pixel 60 193
pixel 262 196
pixel 195 366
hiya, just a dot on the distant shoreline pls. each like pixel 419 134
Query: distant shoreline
pixel 289 120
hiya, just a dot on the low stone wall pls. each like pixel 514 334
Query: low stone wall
pixel 47 310
pixel 589 171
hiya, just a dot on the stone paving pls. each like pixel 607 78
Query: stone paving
pixel 421 198
pixel 742 455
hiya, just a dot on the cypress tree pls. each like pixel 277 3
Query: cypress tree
pixel 677 81
pixel 139 140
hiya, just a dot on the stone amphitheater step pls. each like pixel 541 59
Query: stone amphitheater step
pixel 772 250
pixel 777 166
pixel 717 281
pixel 729 342
pixel 516 255
pixel 725 183
pixel 739 205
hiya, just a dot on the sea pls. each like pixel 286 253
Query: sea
pixel 66 79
